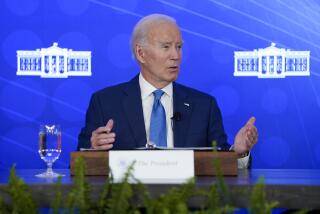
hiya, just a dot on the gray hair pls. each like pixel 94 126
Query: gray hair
pixel 141 29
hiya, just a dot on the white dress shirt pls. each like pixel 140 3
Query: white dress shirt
pixel 167 101
pixel 147 102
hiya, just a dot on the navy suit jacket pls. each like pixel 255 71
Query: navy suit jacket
pixel 199 125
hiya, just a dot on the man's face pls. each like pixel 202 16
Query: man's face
pixel 160 58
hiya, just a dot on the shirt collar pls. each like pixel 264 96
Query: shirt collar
pixel 147 89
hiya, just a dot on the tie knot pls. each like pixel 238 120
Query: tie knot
pixel 157 94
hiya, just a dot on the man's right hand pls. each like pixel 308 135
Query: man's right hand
pixel 102 138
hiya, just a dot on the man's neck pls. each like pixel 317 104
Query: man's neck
pixel 156 84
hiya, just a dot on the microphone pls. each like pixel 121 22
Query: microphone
pixel 177 116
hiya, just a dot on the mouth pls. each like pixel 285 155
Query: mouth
pixel 173 68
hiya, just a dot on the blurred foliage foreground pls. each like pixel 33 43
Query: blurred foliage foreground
pixel 125 197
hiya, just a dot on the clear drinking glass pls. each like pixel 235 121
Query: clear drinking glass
pixel 49 148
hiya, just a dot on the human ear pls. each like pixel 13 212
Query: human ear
pixel 140 53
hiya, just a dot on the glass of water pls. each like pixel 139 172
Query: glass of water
pixel 49 148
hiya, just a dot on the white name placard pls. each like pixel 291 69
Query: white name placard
pixel 153 166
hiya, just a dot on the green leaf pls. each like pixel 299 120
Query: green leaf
pixel 57 201
pixel 79 196
pixel 259 204
pixel 21 198
pixel 121 194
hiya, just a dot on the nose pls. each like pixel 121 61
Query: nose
pixel 175 53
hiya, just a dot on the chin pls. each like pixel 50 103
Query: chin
pixel 173 78
pixel 174 74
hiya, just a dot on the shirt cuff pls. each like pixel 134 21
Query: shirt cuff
pixel 243 162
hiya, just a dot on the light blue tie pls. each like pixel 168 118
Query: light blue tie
pixel 158 127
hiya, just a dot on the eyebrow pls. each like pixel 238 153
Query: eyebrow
pixel 169 43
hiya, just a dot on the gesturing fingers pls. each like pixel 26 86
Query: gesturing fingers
pixel 103 140
pixel 106 135
pixel 251 136
pixel 251 121
pixel 109 125
pixel 102 137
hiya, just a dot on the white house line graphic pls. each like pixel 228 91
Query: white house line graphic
pixel 271 62
pixel 53 62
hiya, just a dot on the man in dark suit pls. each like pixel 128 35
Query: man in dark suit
pixel 129 115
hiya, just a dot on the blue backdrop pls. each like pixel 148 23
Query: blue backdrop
pixel 287 109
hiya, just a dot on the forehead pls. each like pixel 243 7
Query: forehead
pixel 164 32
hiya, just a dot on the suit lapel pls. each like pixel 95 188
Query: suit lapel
pixel 182 105
pixel 132 105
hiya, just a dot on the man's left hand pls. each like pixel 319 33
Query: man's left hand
pixel 246 137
